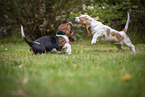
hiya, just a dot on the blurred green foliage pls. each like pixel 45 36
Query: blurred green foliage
pixel 42 17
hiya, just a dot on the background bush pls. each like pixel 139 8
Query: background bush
pixel 42 17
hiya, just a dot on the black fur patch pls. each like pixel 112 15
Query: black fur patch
pixel 59 32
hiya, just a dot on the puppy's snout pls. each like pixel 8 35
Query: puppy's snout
pixel 77 19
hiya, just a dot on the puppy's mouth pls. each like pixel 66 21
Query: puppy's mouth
pixel 71 33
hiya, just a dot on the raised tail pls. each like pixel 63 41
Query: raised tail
pixel 127 23
pixel 23 36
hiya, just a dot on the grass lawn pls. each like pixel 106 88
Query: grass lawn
pixel 90 71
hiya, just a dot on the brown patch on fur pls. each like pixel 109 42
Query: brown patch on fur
pixel 118 36
pixel 124 30
pixel 83 18
pixel 84 21
pixel 113 33
pixel 108 32
pixel 67 28
pixel 96 18
pixel 61 43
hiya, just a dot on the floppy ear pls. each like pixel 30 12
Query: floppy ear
pixel 87 27
pixel 96 18
pixel 70 23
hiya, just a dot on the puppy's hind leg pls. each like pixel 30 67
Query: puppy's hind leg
pixel 43 52
pixel 119 47
pixel 31 49
pixel 129 44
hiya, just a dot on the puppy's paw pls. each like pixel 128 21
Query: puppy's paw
pixel 68 53
pixel 93 41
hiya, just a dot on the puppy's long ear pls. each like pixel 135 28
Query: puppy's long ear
pixel 70 23
pixel 87 27
pixel 96 18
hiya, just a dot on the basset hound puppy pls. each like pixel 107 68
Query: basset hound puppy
pixel 105 33
pixel 58 43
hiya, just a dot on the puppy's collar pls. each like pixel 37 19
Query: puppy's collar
pixel 63 36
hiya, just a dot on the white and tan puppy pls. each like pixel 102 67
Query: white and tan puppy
pixel 105 33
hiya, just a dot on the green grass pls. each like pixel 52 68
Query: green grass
pixel 90 71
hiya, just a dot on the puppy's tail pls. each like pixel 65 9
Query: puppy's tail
pixel 23 36
pixel 127 23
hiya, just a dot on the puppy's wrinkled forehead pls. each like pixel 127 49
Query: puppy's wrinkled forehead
pixel 85 16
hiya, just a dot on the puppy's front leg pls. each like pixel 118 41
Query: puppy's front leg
pixel 95 38
pixel 93 41
pixel 67 48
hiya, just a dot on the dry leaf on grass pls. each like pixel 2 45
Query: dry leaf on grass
pixel 25 81
pixel 97 67
pixel 6 49
pixel 18 92
pixel 126 77
pixel 33 74
pixel 18 81
pixel 74 65
pixel 20 66
pixel 2 46
pixel 87 76
pixel 52 81
pixel 71 74
pixel 66 57
pixel 109 51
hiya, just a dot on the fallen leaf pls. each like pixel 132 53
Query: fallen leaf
pixel 33 74
pixel 87 76
pixel 12 62
pixel 71 81
pixel 25 81
pixel 2 46
pixel 18 81
pixel 6 49
pixel 20 66
pixel 74 65
pixel 109 51
pixel 52 81
pixel 66 57
pixel 18 92
pixel 126 77
pixel 71 74
pixel 97 67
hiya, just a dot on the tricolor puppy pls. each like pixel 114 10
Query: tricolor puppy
pixel 105 33
pixel 58 43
